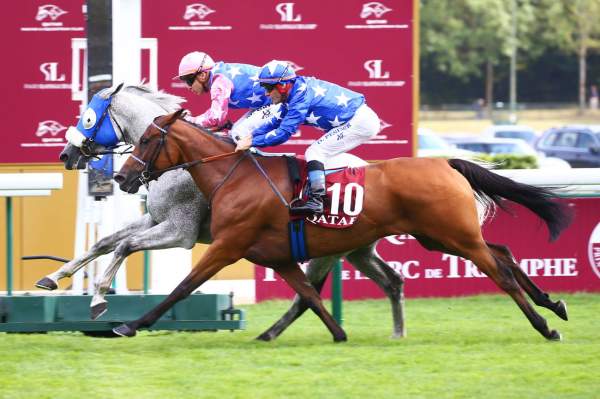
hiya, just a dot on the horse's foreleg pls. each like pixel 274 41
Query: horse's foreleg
pixel 538 296
pixel 102 247
pixel 369 263
pixel 216 257
pixel 292 274
pixel 161 236
pixel 316 273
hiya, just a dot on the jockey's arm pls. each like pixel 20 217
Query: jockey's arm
pixel 216 115
pixel 297 109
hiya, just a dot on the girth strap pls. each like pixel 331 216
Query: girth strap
pixel 273 186
pixel 229 173
pixel 297 235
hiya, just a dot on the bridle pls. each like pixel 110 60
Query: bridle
pixel 88 142
pixel 86 147
pixel 149 173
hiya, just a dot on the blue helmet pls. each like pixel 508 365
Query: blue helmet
pixel 277 72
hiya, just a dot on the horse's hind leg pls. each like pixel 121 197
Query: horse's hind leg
pixel 161 236
pixel 368 262
pixel 316 273
pixel 292 274
pixel 538 296
pixel 501 273
pixel 102 247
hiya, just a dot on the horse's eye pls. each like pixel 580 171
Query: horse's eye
pixel 88 118
pixel 144 140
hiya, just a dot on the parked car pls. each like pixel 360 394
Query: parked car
pixel 493 146
pixel 579 145
pixel 433 145
pixel 513 132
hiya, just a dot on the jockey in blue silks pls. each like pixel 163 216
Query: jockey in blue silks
pixel 341 113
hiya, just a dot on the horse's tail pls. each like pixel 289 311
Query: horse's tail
pixel 496 187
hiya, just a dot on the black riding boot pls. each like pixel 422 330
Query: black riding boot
pixel 314 203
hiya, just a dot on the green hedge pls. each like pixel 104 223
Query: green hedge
pixel 506 161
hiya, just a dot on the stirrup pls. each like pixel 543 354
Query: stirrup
pixel 308 208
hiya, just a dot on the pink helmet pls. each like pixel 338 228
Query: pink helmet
pixel 196 61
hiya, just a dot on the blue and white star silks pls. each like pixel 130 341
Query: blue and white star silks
pixel 246 94
pixel 312 119
pixel 233 71
pixel 313 102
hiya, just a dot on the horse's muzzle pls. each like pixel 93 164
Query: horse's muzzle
pixel 72 158
pixel 129 185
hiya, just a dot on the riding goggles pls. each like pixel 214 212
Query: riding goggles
pixel 268 86
pixel 189 79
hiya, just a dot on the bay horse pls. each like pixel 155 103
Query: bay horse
pixel 434 200
pixel 178 214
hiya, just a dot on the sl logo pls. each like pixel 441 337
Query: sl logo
pixel 286 11
pixel 375 70
pixel 50 71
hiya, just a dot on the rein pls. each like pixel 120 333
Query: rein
pixel 273 186
pixel 147 174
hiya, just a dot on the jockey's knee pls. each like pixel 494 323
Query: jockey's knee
pixel 370 124
pixel 314 153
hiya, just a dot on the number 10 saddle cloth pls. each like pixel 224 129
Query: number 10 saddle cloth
pixel 345 195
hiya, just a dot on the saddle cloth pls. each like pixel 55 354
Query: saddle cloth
pixel 345 195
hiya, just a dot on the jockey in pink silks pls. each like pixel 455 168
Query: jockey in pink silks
pixel 230 86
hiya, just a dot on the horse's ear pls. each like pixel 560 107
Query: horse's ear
pixel 178 114
pixel 170 119
pixel 119 87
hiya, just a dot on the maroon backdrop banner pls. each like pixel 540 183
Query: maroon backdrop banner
pixel 37 108
pixel 365 46
pixel 572 263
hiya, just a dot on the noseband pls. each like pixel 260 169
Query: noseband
pixel 147 173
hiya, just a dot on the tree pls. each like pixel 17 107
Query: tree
pixel 469 38
pixel 574 28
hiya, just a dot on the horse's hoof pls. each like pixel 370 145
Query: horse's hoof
pixel 124 331
pixel 341 338
pixel 266 337
pixel 561 310
pixel 47 284
pixel 555 336
pixel 98 310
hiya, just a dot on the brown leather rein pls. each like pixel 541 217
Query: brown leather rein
pixel 147 174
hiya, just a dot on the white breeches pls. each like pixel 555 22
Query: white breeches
pixel 362 127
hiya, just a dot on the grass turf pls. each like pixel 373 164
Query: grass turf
pixel 456 348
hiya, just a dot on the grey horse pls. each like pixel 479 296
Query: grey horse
pixel 178 216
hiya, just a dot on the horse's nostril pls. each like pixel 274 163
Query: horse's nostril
pixel 64 157
pixel 119 178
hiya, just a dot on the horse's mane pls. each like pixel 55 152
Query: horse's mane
pixel 169 102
